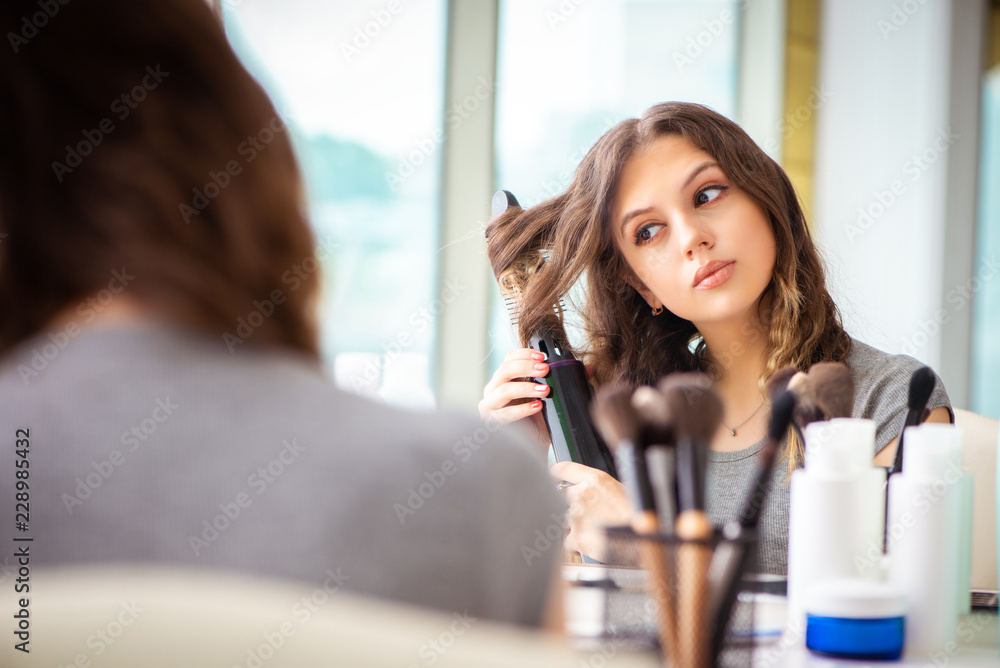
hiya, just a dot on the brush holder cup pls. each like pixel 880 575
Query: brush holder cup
pixel 686 599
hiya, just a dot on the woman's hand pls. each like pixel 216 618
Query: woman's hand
pixel 509 397
pixel 596 500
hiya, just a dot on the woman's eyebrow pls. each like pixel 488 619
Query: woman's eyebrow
pixel 698 170
pixel 691 177
pixel 630 215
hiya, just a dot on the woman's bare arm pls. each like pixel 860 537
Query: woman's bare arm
pixel 888 453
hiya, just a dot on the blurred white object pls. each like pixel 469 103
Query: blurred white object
pixel 405 381
pixel 360 373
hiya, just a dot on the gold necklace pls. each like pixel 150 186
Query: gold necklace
pixel 732 430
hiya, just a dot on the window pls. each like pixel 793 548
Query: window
pixel 360 84
pixel 986 291
pixel 568 72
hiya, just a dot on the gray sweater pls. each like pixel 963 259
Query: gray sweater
pixel 150 444
pixel 882 383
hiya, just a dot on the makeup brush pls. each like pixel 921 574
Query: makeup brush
pixel 806 409
pixel 831 387
pixel 656 437
pixel 781 417
pixel 654 417
pixel 921 387
pixel 797 382
pixel 731 559
pixel 697 412
pixel 618 423
pixel 778 382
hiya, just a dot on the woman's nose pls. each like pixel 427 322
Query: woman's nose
pixel 693 236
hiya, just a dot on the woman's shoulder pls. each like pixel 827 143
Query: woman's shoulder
pixel 882 386
pixel 870 364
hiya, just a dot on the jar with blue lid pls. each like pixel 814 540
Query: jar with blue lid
pixel 855 618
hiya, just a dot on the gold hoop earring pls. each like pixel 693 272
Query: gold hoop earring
pixel 657 311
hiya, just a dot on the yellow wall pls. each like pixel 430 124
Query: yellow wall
pixel 993 58
pixel 801 81
pixel 801 76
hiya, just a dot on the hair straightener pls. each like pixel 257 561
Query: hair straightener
pixel 566 408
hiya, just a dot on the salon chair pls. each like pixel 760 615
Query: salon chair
pixel 979 457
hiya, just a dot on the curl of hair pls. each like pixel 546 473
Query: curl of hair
pixel 625 343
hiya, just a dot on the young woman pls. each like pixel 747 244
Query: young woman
pixel 696 256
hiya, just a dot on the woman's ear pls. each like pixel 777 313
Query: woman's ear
pixel 643 291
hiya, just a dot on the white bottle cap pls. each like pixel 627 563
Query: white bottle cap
pixel 855 598
pixel 841 446
pixel 929 450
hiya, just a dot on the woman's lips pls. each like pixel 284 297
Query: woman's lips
pixel 714 274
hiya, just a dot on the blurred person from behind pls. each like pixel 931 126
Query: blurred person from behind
pixel 159 364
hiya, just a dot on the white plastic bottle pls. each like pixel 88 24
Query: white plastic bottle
pixel 925 526
pixel 836 512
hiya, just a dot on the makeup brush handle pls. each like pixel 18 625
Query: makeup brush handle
pixel 725 593
pixel 913 418
pixel 661 583
pixel 693 561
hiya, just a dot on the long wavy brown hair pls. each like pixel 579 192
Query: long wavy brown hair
pixel 114 113
pixel 546 249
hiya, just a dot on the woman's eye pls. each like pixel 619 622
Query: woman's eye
pixel 645 234
pixel 709 194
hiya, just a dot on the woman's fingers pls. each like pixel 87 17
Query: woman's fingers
pixel 510 413
pixel 503 405
pixel 508 392
pixel 525 353
pixel 521 363
pixel 507 397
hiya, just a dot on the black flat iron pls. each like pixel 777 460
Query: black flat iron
pixel 566 409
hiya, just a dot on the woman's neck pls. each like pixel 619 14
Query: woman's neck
pixel 737 351
pixel 90 311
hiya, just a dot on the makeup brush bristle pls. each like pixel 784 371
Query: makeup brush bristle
pixel 778 382
pixel 797 383
pixel 831 387
pixel 694 406
pixel 781 415
pixel 806 411
pixel 654 416
pixel 921 387
pixel 614 416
